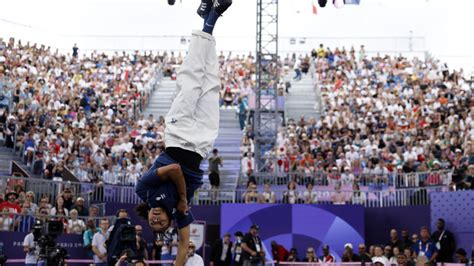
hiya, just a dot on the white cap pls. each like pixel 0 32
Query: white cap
pixel 348 245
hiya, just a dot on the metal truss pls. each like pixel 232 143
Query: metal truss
pixel 266 115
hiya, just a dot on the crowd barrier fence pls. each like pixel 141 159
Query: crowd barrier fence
pixel 396 180
pixel 100 193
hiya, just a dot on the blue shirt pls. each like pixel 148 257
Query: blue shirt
pixel 25 224
pixel 164 194
pixel 428 248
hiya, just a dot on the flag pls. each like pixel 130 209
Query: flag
pixel 352 2
pixel 315 11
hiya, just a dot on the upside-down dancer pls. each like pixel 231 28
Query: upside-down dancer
pixel 192 125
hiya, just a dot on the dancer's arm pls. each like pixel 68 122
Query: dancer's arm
pixel 174 173
pixel 183 246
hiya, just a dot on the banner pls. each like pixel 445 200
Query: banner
pixel 298 226
pixel 198 236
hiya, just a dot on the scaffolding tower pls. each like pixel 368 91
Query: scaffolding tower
pixel 267 117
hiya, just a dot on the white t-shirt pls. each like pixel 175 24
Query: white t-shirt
pixel 54 211
pixel 75 227
pixel 99 241
pixel 292 196
pixel 313 196
pixel 268 196
pixel 31 255
pixel 195 260
pixel 6 223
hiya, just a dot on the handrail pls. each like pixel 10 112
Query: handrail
pixel 16 225
pixel 397 180
pixel 320 195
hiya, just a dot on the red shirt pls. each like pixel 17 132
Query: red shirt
pixel 328 258
pixel 13 208
pixel 280 253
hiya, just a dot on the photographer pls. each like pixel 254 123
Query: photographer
pixel 252 246
pixel 30 248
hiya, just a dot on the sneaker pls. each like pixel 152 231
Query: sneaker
pixel 204 8
pixel 220 6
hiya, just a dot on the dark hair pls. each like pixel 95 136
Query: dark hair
pixel 214 151
pixel 119 211
pixel 142 210
pixel 461 252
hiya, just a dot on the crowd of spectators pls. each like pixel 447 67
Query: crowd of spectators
pixel 381 115
pixel 20 209
pixel 424 248
pixel 80 113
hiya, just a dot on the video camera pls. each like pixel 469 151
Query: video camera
pixel 45 235
pixel 122 240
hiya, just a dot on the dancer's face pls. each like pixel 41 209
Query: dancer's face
pixel 158 219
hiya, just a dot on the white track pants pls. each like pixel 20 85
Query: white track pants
pixel 192 122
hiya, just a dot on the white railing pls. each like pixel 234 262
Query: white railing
pixel 378 181
pixel 322 195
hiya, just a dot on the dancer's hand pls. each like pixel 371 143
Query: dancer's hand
pixel 183 206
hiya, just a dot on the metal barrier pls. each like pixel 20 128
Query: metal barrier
pixel 24 223
pixel 94 193
pixel 397 180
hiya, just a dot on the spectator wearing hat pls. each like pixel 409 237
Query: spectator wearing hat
pixel 221 253
pixel 326 257
pixel 237 249
pixel 79 205
pixel 348 255
pixel 252 247
pixel 10 203
pixel 279 252
pixel 379 256
pixel 193 259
